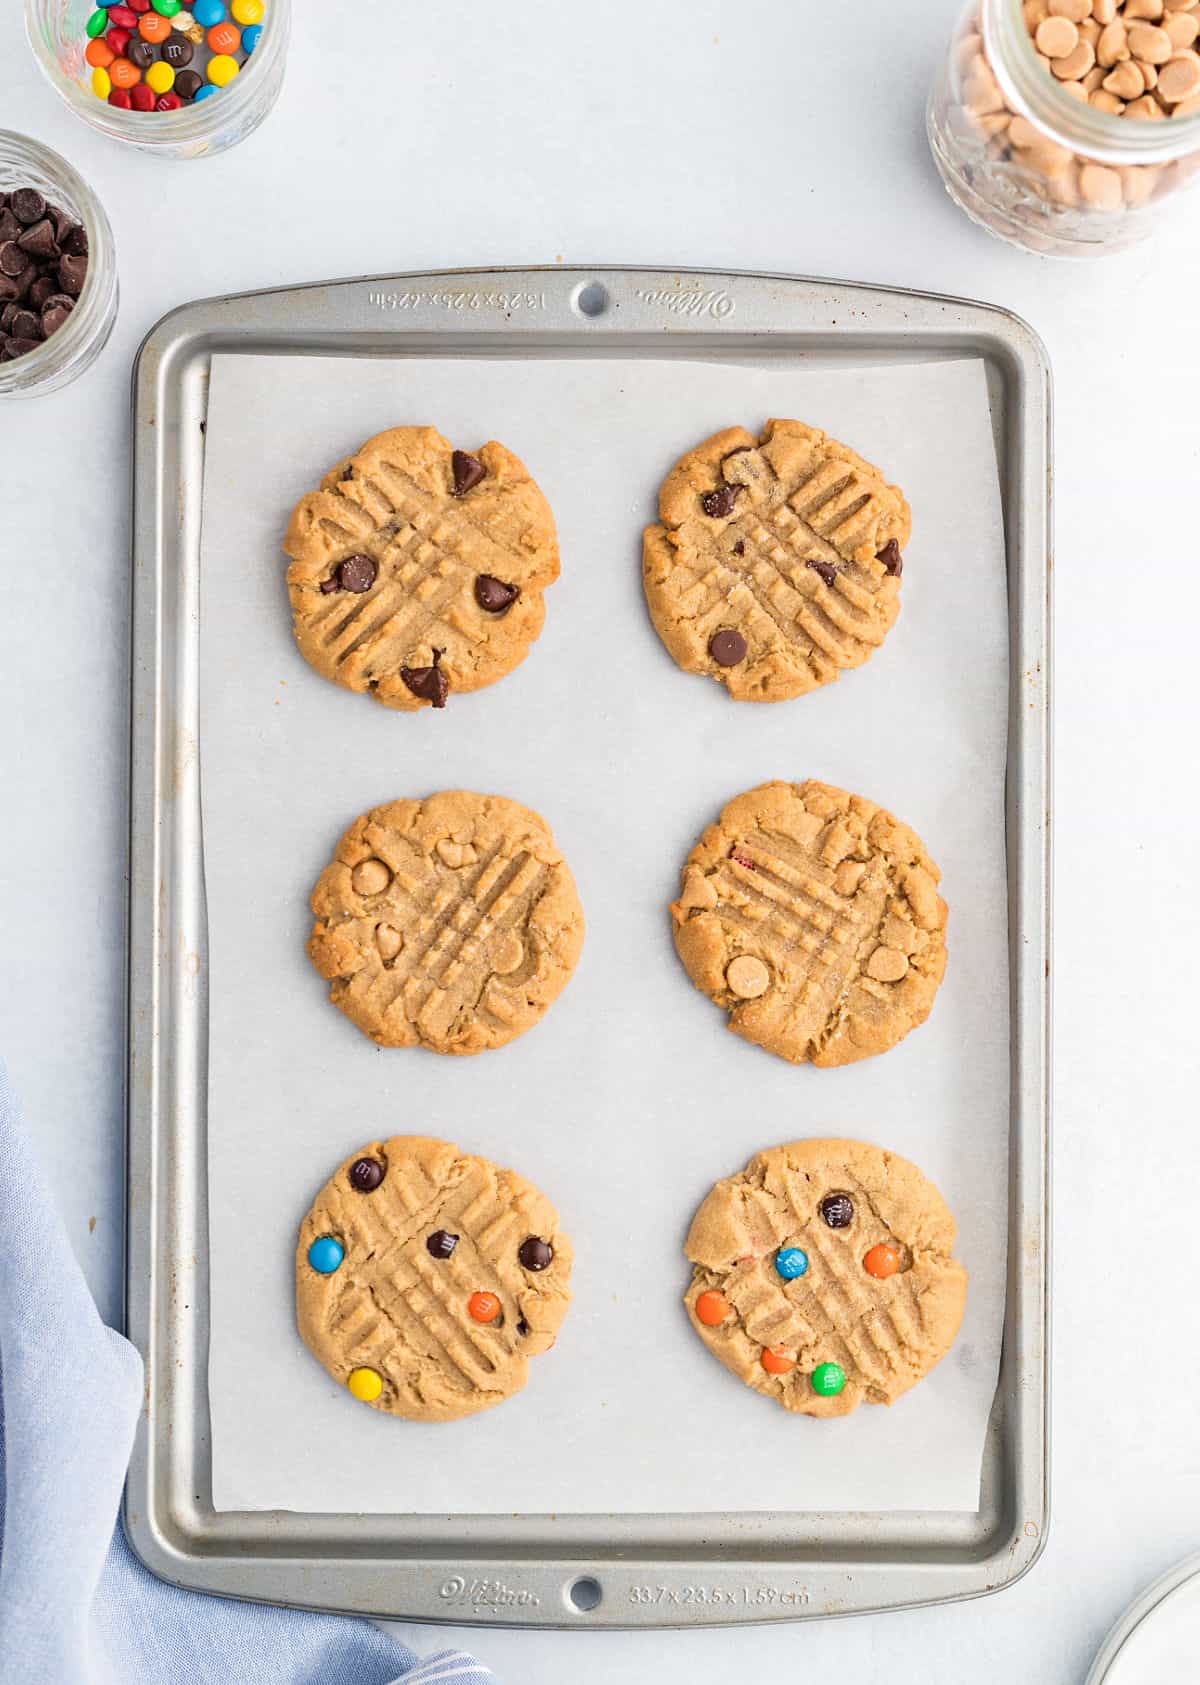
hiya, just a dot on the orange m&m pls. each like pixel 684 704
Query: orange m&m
pixel 124 73
pixel 484 1307
pixel 882 1261
pixel 224 37
pixel 99 54
pixel 712 1307
pixel 777 1360
pixel 153 27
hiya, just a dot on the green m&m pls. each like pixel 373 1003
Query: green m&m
pixel 97 24
pixel 828 1379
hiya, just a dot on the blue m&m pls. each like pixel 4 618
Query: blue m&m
pixel 208 12
pixel 791 1262
pixel 251 36
pixel 206 92
pixel 326 1254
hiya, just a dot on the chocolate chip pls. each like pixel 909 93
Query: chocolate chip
pixel 26 325
pixel 39 240
pixel 188 84
pixel 825 570
pixel 468 471
pixel 41 292
pixel 7 315
pixel 27 205
pixel 9 288
pixel 58 301
pixel 53 318
pixel 22 347
pixel 10 228
pixel 12 259
pixel 838 1210
pixel 140 52
pixel 440 1244
pixel 328 586
pixel 75 241
pixel 522 1325
pixel 366 1175
pixel 727 648
pixel 891 558
pixel 535 1254
pixel 495 595
pixel 357 573
pixel 739 548
pixel 720 502
pixel 429 683
pixel 177 52
pixel 347 473
pixel 72 273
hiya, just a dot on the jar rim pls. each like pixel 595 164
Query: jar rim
pixel 94 314
pixel 166 130
pixel 1100 135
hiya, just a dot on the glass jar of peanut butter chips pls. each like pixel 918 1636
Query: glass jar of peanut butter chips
pixel 1068 126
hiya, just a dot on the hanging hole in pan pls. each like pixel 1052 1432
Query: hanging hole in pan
pixel 591 299
pixel 584 1595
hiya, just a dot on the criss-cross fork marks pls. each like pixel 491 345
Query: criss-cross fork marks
pixel 773 592
pixel 443 966
pixel 787 908
pixel 417 543
pixel 401 1311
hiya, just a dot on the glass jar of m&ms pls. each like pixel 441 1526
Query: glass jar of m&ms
pixel 71 331
pixel 1069 127
pixel 236 88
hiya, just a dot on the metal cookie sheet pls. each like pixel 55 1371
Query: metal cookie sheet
pixel 650 1570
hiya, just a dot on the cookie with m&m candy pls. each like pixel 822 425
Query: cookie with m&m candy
pixel 427 1278
pixel 823 1275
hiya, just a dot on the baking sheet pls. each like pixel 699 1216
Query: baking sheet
pixel 630 1099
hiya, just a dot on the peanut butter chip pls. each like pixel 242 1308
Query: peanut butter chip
pixel 370 877
pixel 1076 10
pixel 698 891
pixel 1150 44
pixel 389 942
pixel 1113 45
pixel 1179 79
pixel 506 951
pixel 1100 187
pixel 1150 9
pixel 748 977
pixel 1056 37
pixel 1125 81
pixel 1182 29
pixel 454 853
pixel 887 965
pixel 1076 63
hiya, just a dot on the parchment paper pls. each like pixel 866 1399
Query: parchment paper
pixel 630 1098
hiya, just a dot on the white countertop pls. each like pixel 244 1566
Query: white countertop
pixel 757 136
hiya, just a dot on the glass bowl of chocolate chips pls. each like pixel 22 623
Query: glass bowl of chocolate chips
pixel 58 270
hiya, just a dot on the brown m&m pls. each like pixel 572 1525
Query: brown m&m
pixel 837 1210
pixel 441 1244
pixel 365 1175
pixel 535 1254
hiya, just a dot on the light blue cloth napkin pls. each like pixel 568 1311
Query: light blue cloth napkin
pixel 76 1607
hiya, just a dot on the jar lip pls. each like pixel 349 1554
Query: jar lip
pixel 1098 134
pixel 95 308
pixel 165 130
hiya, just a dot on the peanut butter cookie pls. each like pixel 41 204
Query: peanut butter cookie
pixel 427 1278
pixel 776 561
pixel 812 916
pixel 418 570
pixel 451 922
pixel 823 1276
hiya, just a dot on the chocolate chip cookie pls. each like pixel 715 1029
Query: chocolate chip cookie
pixel 426 1278
pixel 776 561
pixel 450 922
pixel 418 570
pixel 823 1276
pixel 812 916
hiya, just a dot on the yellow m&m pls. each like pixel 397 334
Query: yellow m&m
pixel 160 77
pixel 247 11
pixel 101 82
pixel 366 1384
pixel 222 69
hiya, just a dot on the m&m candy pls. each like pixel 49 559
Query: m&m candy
pixel 208 12
pixel 828 1379
pixel 124 74
pixel 224 38
pixel 161 77
pixel 101 83
pixel 168 8
pixel 154 28
pixel 882 1261
pixel 251 37
pixel 247 11
pixel 120 98
pixel 791 1262
pixel 222 70
pixel 206 92
pixel 326 1254
pixel 777 1360
pixel 142 97
pixel 712 1308
pixel 99 54
pixel 96 24
pixel 484 1307
pixel 118 40
pixel 122 17
pixel 366 1384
